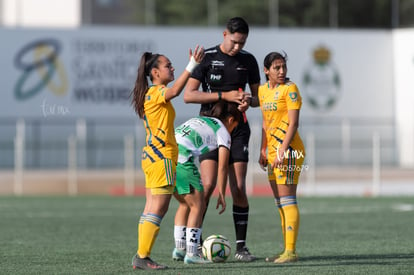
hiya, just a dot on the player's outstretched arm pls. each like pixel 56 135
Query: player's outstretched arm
pixel 192 94
pixel 223 160
pixel 195 59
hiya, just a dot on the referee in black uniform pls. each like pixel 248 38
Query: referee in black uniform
pixel 224 73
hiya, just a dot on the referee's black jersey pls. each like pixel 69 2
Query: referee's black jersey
pixel 219 72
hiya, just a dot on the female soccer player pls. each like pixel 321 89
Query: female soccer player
pixel 280 103
pixel 195 137
pixel 153 105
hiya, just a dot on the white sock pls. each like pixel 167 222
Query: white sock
pixel 180 236
pixel 193 240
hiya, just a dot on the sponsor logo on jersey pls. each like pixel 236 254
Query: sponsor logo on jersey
pixel 217 63
pixel 269 106
pixel 215 77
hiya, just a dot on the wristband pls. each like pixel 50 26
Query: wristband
pixel 191 65
pixel 219 95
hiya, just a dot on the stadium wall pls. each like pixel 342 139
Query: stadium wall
pixel 403 56
pixel 345 75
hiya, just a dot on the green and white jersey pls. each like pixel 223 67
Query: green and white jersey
pixel 200 135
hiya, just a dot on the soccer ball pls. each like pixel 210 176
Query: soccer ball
pixel 216 248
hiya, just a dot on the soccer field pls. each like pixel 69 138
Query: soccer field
pixel 98 235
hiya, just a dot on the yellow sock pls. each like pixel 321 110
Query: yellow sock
pixel 291 213
pixel 148 232
pixel 282 219
pixel 141 221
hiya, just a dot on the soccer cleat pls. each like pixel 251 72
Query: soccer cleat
pixel 243 255
pixel 178 255
pixel 273 258
pixel 146 264
pixel 196 259
pixel 287 257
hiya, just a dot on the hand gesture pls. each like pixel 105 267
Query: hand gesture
pixel 263 160
pixel 233 96
pixel 245 101
pixel 239 97
pixel 243 106
pixel 198 54
pixel 195 58
pixel 221 201
pixel 280 157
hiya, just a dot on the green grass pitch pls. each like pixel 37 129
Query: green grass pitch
pixel 98 235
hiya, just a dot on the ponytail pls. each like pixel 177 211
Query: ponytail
pixel 148 61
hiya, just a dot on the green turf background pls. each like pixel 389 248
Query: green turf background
pixel 97 235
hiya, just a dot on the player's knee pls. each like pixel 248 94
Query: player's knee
pixel 240 198
pixel 208 189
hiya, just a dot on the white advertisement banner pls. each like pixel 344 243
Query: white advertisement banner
pixel 90 72
pixel 404 94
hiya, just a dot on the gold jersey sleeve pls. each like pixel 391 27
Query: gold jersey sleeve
pixel 275 104
pixel 158 120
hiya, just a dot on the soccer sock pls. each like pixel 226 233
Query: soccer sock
pixel 180 237
pixel 291 211
pixel 240 218
pixel 141 221
pixel 149 231
pixel 282 219
pixel 193 239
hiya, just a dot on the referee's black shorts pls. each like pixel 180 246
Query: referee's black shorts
pixel 239 150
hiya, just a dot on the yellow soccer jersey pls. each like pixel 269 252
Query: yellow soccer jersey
pixel 159 126
pixel 274 104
